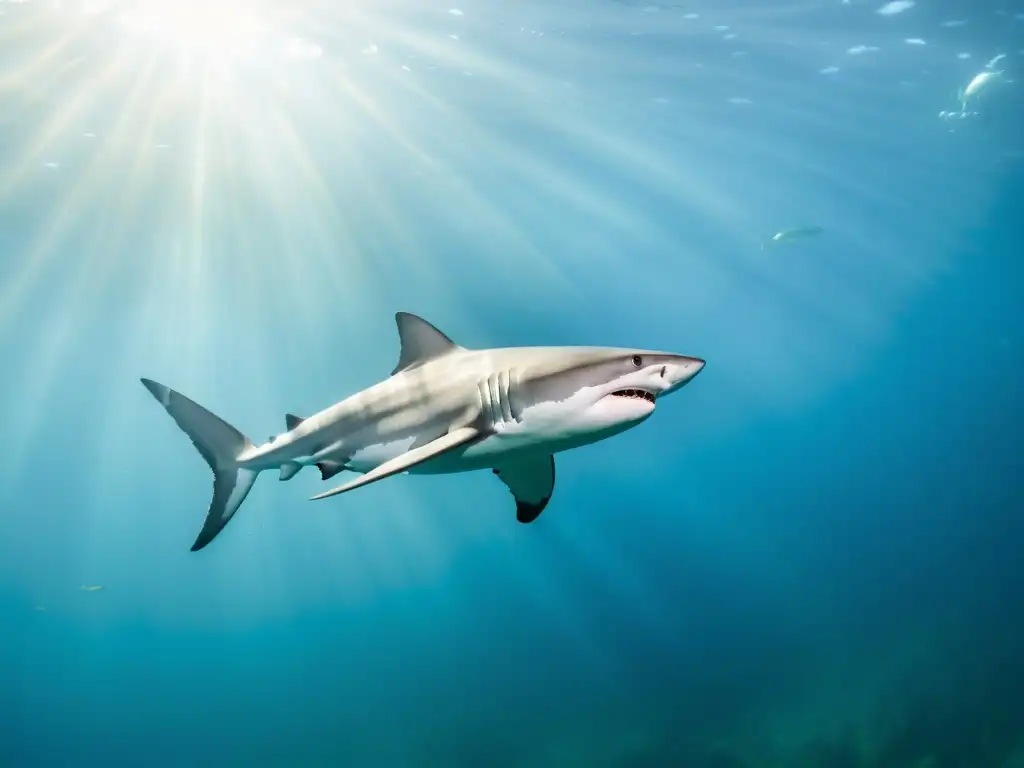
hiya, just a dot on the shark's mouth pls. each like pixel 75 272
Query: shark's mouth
pixel 634 393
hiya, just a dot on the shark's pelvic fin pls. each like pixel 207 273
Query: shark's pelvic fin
pixel 532 481
pixel 420 342
pixel 292 421
pixel 409 459
pixel 220 444
pixel 289 470
pixel 329 469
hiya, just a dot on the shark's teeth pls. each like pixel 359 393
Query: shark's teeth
pixel 637 393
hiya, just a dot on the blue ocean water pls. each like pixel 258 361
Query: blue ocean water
pixel 810 556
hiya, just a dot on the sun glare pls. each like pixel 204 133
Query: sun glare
pixel 221 29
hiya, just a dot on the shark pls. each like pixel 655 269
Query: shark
pixel 445 409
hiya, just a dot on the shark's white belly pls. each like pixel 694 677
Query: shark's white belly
pixel 508 441
pixel 481 455
pixel 541 429
pixel 373 455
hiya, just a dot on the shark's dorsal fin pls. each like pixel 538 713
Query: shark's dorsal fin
pixel 292 421
pixel 420 342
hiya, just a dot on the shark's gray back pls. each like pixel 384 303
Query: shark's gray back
pixel 461 388
pixel 448 389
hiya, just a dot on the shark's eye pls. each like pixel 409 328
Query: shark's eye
pixel 637 361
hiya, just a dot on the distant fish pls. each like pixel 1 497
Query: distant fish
pixel 39 609
pixel 978 83
pixel 91 587
pixel 796 233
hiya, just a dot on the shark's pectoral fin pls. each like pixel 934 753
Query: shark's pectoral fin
pixel 289 470
pixel 409 459
pixel 532 481
pixel 329 469
pixel 292 421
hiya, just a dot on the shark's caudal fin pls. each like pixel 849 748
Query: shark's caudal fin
pixel 220 444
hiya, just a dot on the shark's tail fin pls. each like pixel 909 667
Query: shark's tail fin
pixel 221 445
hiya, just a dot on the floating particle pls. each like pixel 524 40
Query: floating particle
pixel 896 6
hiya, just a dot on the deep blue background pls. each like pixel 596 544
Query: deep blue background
pixel 811 556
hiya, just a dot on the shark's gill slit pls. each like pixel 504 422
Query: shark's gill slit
pixel 515 405
pixel 503 398
pixel 495 385
pixel 485 395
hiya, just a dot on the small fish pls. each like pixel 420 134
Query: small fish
pixel 978 83
pixel 796 233
pixel 91 587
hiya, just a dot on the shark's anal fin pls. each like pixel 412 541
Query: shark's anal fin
pixel 329 469
pixel 292 421
pixel 289 470
pixel 419 341
pixel 532 481
pixel 409 459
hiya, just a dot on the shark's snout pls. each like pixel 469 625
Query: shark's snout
pixel 681 371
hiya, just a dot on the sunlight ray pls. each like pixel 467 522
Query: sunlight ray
pixel 30 157
pixel 39 66
pixel 304 202
pixel 70 210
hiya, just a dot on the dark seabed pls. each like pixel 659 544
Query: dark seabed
pixel 812 556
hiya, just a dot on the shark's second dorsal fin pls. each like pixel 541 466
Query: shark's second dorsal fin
pixel 420 342
pixel 292 421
